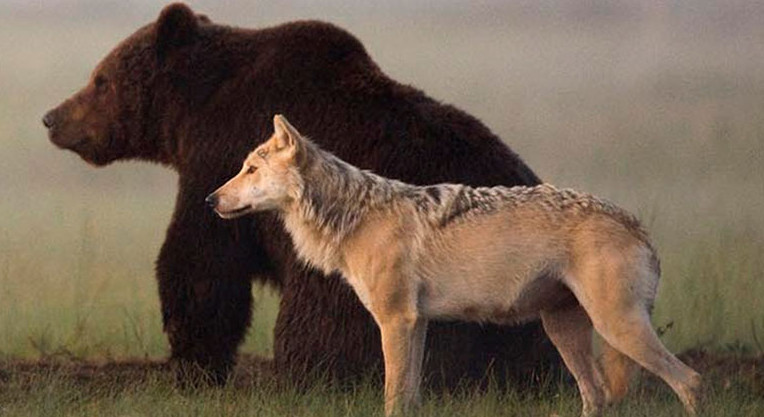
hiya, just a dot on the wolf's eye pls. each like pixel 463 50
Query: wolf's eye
pixel 251 169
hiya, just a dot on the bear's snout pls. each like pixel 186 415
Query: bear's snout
pixel 49 119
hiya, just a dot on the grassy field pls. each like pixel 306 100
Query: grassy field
pixel 735 389
pixel 658 109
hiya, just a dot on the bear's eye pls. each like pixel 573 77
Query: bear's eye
pixel 100 82
pixel 251 169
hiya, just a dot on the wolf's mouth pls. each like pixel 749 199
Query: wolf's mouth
pixel 241 210
pixel 236 212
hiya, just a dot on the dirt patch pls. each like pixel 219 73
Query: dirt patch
pixel 249 370
pixel 728 371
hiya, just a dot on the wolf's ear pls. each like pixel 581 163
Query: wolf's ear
pixel 286 136
pixel 176 26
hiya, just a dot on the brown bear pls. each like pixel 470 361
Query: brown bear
pixel 197 96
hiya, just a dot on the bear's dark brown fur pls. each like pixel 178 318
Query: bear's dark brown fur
pixel 197 96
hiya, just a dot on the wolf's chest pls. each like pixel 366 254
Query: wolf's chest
pixel 312 247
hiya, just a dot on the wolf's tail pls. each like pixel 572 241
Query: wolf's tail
pixel 618 371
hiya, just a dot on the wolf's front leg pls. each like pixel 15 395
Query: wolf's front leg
pixel 418 341
pixel 403 338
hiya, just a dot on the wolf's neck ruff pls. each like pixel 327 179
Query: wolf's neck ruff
pixel 335 196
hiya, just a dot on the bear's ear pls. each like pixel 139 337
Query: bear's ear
pixel 176 26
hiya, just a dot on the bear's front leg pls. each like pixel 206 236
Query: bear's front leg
pixel 322 330
pixel 205 292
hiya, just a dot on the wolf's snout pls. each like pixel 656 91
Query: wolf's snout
pixel 211 200
pixel 49 120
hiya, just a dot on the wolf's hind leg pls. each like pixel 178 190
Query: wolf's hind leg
pixel 620 315
pixel 618 370
pixel 616 289
pixel 570 330
pixel 630 332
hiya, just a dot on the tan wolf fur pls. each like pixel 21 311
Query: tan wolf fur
pixel 413 254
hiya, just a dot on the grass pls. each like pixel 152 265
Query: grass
pixel 64 390
pixel 660 113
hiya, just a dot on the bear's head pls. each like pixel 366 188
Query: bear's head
pixel 119 114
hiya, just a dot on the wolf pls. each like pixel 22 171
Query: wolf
pixel 452 252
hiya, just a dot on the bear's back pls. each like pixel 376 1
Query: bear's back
pixel 323 80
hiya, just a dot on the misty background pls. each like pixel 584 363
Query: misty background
pixel 656 105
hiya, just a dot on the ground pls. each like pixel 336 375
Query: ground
pixel 735 387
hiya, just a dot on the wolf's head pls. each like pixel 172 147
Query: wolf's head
pixel 269 178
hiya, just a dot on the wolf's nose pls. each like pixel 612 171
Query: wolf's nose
pixel 211 200
pixel 48 119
